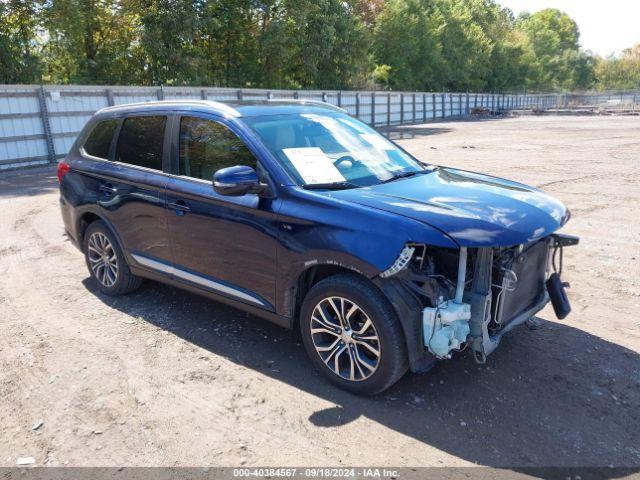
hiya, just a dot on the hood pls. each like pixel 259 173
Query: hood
pixel 475 210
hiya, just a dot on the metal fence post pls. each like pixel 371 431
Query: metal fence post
pixel 296 95
pixel 339 99
pixel 424 107
pixel 388 109
pixel 401 108
pixel 160 93
pixel 433 106
pixel 324 97
pixel 451 104
pixel 109 95
pixel 46 126
pixel 373 109
pixel 413 100
pixel 358 105
pixel 239 94
pixel 203 94
pixel 443 105
pixel 466 114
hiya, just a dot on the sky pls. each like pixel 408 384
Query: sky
pixel 605 27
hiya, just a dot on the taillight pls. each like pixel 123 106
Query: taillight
pixel 63 169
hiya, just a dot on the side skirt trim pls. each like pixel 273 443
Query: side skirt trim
pixel 197 279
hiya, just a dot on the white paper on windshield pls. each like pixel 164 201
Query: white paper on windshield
pixel 313 165
pixel 377 141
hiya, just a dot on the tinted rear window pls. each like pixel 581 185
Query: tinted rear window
pixel 99 141
pixel 140 141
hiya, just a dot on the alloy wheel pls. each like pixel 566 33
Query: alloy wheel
pixel 102 259
pixel 345 338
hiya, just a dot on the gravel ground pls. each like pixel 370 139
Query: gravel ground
pixel 163 377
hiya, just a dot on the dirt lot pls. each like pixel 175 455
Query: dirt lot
pixel 163 377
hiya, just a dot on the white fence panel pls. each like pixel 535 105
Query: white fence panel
pixel 39 124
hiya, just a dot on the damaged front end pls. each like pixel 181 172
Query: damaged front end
pixel 449 300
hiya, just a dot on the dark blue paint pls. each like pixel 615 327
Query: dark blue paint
pixel 475 210
pixel 263 244
pixel 236 181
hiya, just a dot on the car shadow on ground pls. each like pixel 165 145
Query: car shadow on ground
pixel 556 396
pixel 28 182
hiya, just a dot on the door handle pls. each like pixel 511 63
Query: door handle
pixel 180 207
pixel 108 189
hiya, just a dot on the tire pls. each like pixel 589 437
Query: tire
pixel 115 277
pixel 319 317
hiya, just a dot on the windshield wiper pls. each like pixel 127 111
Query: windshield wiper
pixel 330 186
pixel 398 176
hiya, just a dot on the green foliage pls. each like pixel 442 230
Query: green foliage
pixel 620 73
pixel 19 62
pixel 460 45
pixel 430 45
pixel 406 40
pixel 551 39
pixel 89 41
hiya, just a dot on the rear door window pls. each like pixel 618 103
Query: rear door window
pixel 140 141
pixel 99 140
pixel 207 146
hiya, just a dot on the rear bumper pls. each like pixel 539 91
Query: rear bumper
pixel 70 223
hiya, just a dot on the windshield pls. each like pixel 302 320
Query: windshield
pixel 326 148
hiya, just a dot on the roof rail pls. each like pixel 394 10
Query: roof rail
pixel 304 101
pixel 210 103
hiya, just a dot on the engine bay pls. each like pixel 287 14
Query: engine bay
pixel 471 297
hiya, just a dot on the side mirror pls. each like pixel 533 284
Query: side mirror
pixel 237 181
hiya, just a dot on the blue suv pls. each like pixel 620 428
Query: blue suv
pixel 300 214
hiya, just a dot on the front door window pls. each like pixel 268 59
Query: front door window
pixel 206 146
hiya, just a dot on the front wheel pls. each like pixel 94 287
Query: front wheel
pixel 352 335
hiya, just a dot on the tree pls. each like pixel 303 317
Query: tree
pixel 19 49
pixel 464 28
pixel 172 36
pixel 406 39
pixel 552 42
pixel 456 45
pixel 328 43
pixel 619 73
pixel 89 41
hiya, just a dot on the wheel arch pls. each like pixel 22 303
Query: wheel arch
pixel 86 218
pixel 311 276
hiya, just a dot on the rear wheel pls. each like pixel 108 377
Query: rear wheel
pixel 106 262
pixel 352 335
